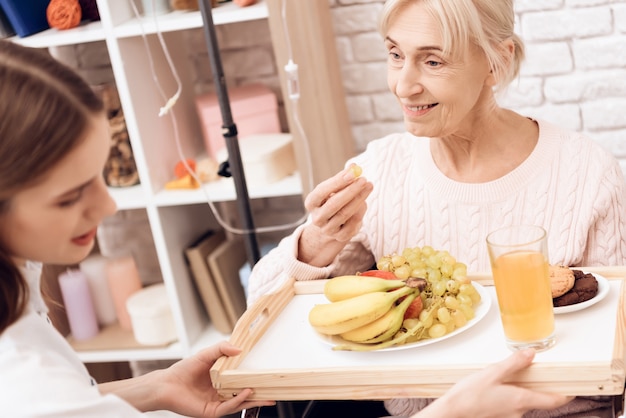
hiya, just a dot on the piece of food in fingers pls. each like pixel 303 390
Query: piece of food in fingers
pixel 356 170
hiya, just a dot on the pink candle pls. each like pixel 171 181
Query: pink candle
pixel 123 278
pixel 94 268
pixel 78 305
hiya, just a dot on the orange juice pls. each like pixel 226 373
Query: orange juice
pixel 524 296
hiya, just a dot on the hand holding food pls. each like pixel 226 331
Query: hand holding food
pixel 337 206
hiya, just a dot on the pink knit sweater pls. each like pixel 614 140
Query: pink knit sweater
pixel 569 185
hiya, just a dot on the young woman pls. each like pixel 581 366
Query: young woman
pixel 54 142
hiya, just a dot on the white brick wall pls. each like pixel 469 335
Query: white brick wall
pixel 574 74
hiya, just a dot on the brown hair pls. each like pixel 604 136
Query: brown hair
pixel 45 109
pixel 485 23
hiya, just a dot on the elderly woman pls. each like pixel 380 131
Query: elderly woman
pixel 464 167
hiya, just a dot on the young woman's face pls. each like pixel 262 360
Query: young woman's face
pixel 438 97
pixel 55 220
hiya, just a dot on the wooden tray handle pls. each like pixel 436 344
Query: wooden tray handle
pixel 252 325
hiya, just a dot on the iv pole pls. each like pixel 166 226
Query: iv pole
pixel 234 165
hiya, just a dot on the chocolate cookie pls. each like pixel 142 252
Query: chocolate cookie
pixel 585 288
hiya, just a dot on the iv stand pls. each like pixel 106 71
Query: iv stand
pixel 229 130
pixel 234 165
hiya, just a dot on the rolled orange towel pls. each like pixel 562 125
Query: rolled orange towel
pixel 63 14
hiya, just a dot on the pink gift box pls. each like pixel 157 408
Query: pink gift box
pixel 254 109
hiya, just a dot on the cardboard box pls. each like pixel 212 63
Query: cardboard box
pixel 266 158
pixel 254 109
pixel 26 16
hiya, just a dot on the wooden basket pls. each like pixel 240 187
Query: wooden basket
pixel 283 358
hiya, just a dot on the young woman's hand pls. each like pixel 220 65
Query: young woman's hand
pixel 184 388
pixel 337 206
pixel 487 394
pixel 189 390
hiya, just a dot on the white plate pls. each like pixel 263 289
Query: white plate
pixel 480 311
pixel 603 290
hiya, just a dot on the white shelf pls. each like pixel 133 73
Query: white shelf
pixel 224 190
pixel 173 352
pixel 207 338
pixel 223 14
pixel 126 198
pixel 86 32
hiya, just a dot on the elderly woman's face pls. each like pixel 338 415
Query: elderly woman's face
pixel 439 96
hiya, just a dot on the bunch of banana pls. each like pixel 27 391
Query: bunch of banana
pixel 383 328
pixel 362 309
pixel 346 287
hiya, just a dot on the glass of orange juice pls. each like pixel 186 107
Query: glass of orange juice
pixel 519 264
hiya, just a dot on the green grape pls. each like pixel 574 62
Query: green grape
pixel 437 330
pixel 418 272
pixel 433 275
pixel 460 270
pixel 439 288
pixel 450 326
pixel 402 272
pixel 426 318
pixel 465 299
pixel 466 288
pixel 397 260
pixel 443 315
pixel 427 250
pixel 408 253
pixel 446 270
pixel 448 259
pixel 410 323
pixel 452 286
pixel 451 302
pixel 467 311
pixel 459 319
pixel 384 264
pixel 433 261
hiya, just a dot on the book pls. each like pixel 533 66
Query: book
pixel 196 255
pixel 225 262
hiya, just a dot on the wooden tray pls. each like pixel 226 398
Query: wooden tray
pixel 284 359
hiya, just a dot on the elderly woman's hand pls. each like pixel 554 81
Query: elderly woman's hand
pixel 337 206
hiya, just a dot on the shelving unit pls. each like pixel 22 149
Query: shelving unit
pixel 176 218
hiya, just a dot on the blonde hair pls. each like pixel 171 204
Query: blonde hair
pixel 484 23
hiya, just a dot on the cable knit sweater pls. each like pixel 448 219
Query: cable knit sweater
pixel 568 184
